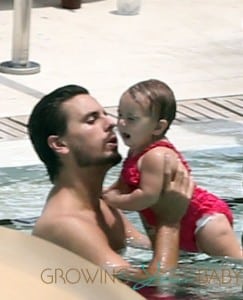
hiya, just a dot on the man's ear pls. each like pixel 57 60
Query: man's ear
pixel 161 126
pixel 57 144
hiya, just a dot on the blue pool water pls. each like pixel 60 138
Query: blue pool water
pixel 23 191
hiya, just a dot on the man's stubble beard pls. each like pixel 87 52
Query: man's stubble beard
pixel 86 160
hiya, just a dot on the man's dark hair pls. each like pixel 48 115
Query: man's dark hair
pixel 48 118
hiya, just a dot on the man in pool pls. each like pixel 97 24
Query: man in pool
pixel 73 136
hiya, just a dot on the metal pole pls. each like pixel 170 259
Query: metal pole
pixel 19 64
pixel 21 31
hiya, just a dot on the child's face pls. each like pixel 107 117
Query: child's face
pixel 135 122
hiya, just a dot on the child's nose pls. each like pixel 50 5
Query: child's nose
pixel 121 122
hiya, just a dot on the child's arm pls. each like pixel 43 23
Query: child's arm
pixel 151 167
pixel 115 186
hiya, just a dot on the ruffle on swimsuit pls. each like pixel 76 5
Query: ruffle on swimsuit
pixel 202 202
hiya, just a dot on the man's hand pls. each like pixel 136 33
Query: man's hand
pixel 182 184
pixel 175 195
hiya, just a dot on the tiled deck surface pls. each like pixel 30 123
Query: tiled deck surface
pixel 188 111
pixel 106 52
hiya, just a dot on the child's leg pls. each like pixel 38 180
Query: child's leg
pixel 218 238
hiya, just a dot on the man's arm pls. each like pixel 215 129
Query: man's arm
pixel 166 248
pixel 176 196
pixel 134 237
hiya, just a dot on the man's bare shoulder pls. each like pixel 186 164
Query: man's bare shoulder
pixel 82 234
pixel 70 232
pixel 54 227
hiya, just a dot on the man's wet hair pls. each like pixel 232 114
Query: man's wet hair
pixel 48 118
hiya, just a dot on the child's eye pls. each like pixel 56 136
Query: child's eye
pixel 131 119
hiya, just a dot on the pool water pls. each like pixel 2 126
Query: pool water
pixel 23 191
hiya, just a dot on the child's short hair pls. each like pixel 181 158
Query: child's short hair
pixel 160 95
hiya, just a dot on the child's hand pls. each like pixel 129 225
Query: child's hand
pixel 110 196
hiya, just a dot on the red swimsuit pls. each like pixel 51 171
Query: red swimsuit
pixel 202 202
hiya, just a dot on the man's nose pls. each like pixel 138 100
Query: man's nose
pixel 111 121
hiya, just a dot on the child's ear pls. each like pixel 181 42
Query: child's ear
pixel 161 126
pixel 57 144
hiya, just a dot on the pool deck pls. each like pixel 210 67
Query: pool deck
pixel 194 46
